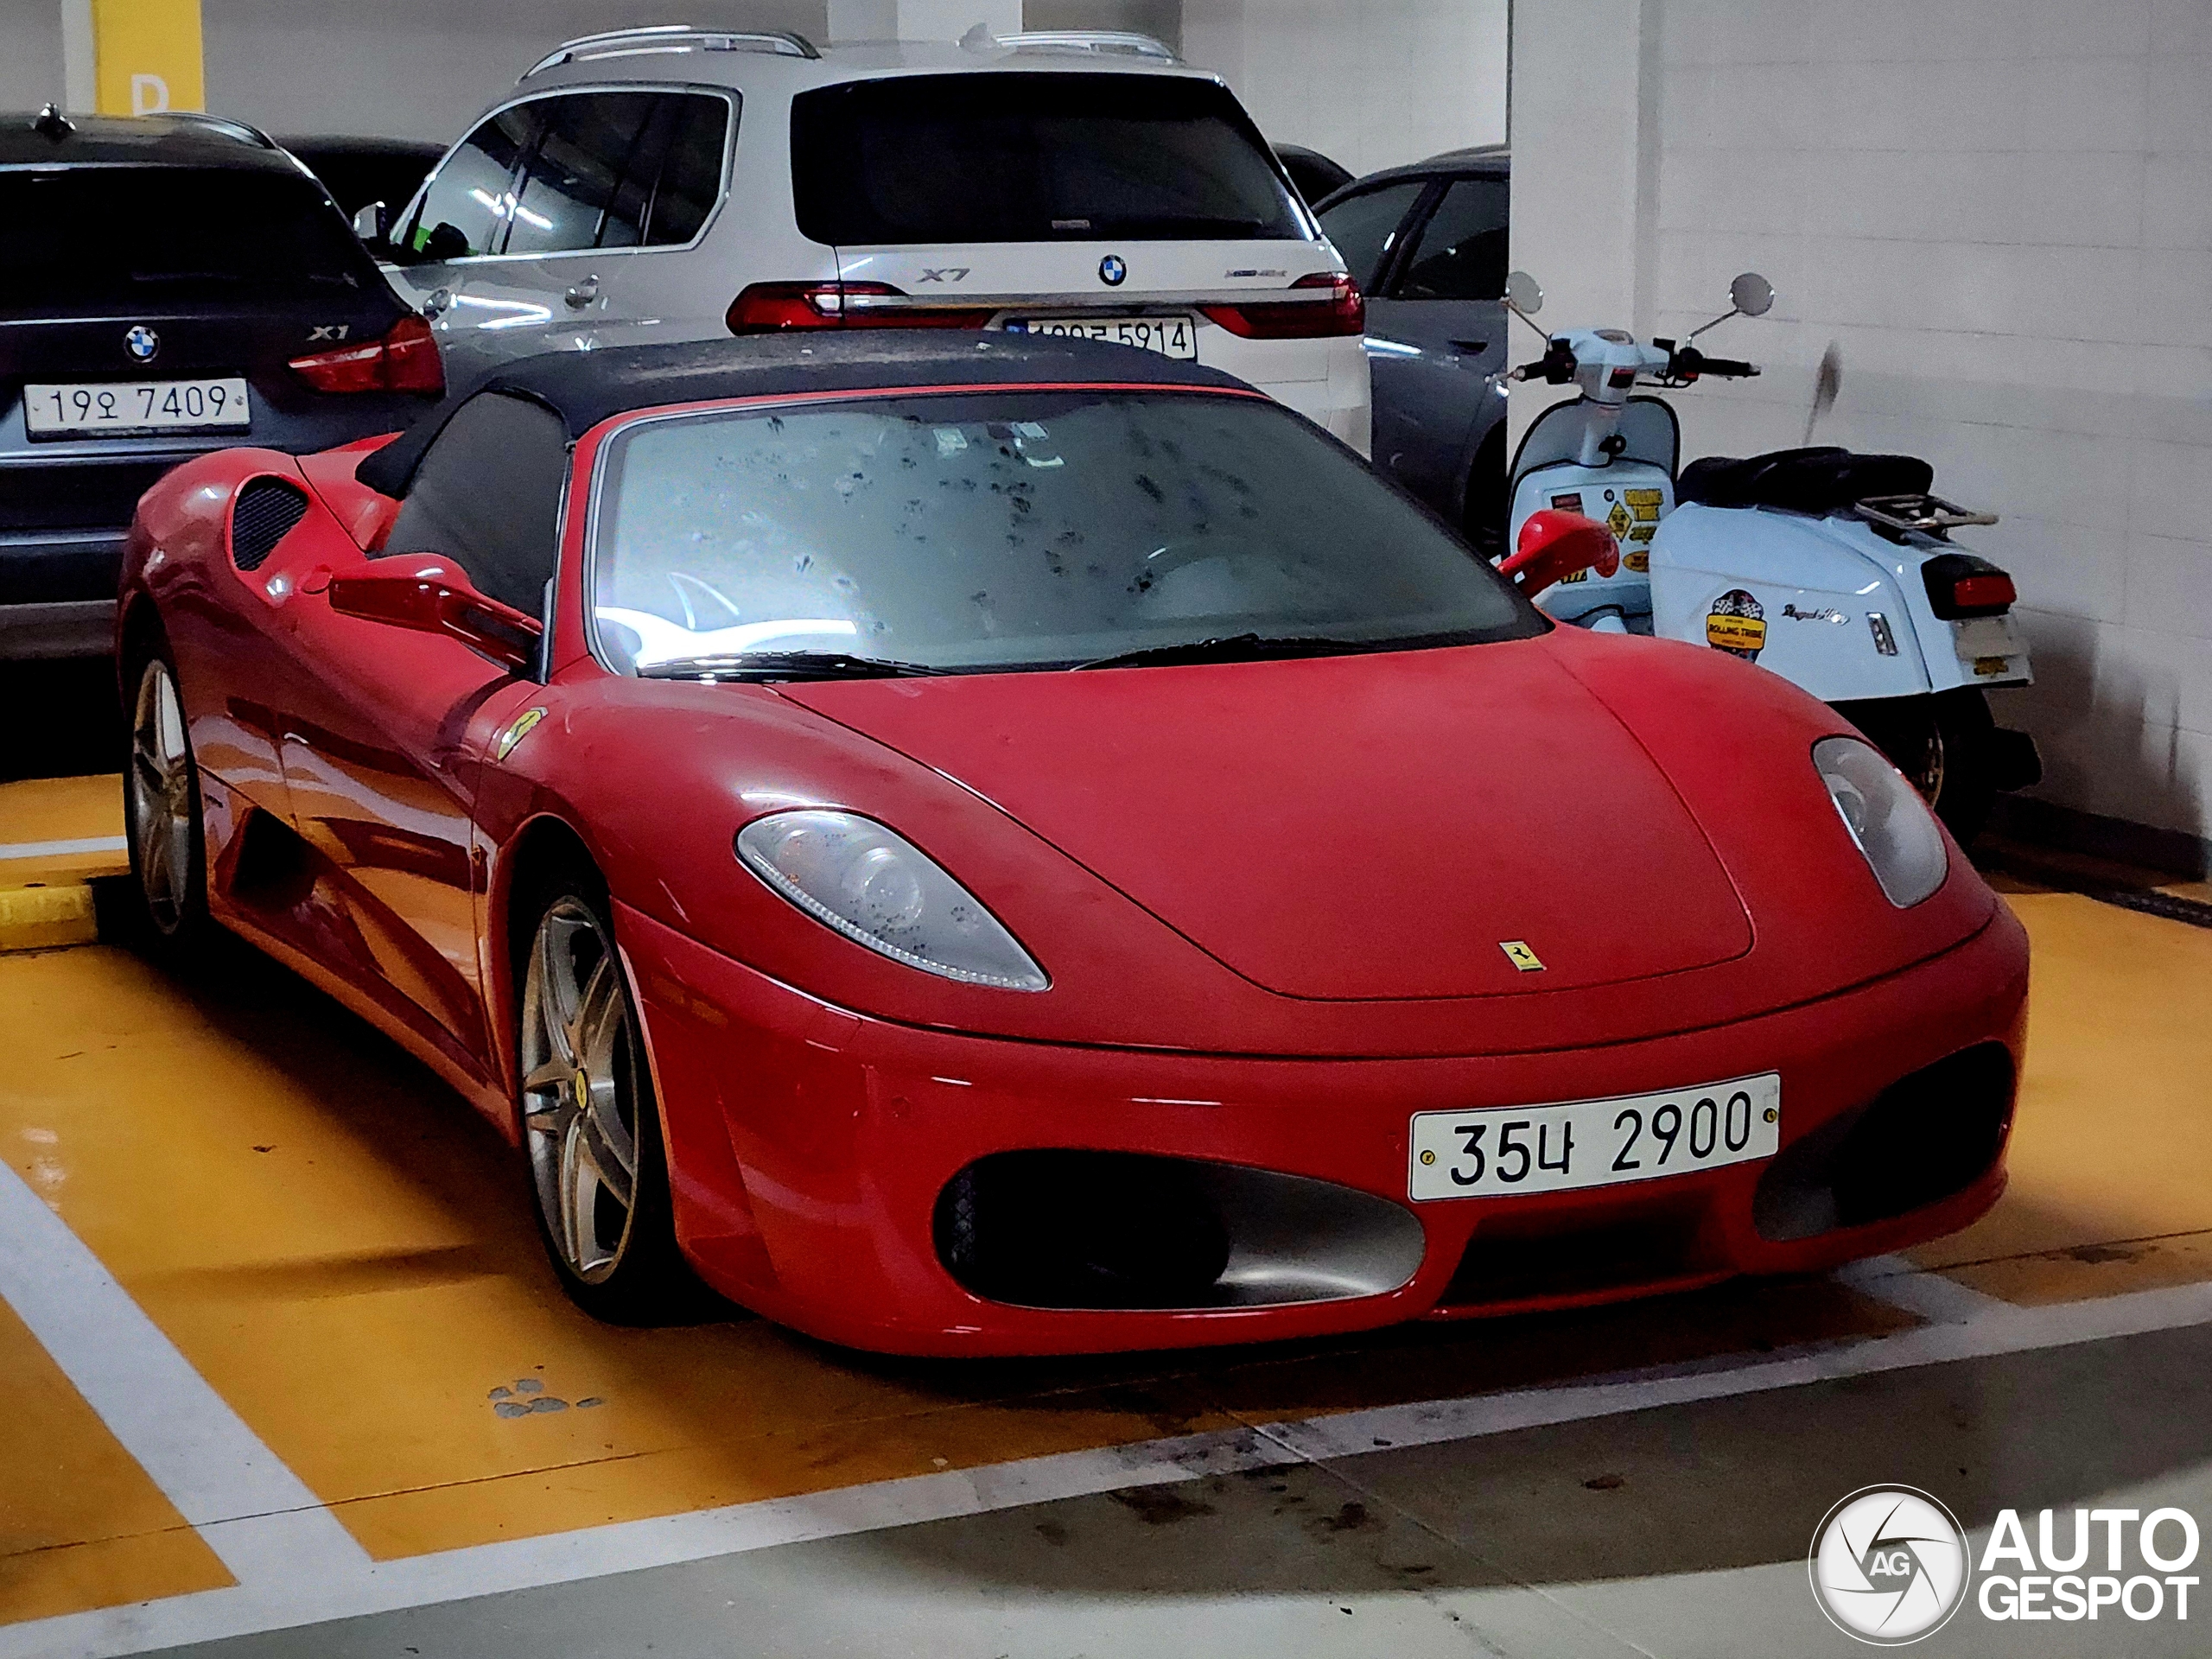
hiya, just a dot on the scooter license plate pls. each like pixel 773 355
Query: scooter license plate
pixel 1498 1152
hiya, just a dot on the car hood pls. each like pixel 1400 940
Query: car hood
pixel 1378 826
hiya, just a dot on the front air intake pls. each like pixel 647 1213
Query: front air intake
pixel 263 515
pixel 1117 1229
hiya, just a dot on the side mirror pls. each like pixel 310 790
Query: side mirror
pixel 1524 293
pixel 1554 545
pixel 372 223
pixel 1751 294
pixel 432 596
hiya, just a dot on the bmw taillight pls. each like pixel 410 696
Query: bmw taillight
pixel 405 360
pixel 1959 585
pixel 770 307
pixel 1344 311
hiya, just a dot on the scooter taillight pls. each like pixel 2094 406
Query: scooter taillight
pixel 1959 586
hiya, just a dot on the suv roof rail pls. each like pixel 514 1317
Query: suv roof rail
pixel 671 37
pixel 1105 43
pixel 244 132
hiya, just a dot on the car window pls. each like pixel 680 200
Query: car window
pixel 585 143
pixel 1365 227
pixel 1014 529
pixel 1460 254
pixel 488 496
pixel 1032 158
pixel 151 237
pixel 691 178
pixel 474 192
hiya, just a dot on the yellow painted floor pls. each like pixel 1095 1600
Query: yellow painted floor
pixel 346 1254
pixel 81 1524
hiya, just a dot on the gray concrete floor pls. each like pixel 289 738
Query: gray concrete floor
pixel 1678 1532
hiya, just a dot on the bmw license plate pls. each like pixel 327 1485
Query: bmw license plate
pixel 1501 1151
pixel 1175 336
pixel 124 408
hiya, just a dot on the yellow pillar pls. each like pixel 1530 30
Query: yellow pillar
pixel 146 56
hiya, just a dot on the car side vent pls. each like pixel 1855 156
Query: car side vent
pixel 266 510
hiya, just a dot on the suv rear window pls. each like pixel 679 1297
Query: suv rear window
pixel 1032 158
pixel 102 236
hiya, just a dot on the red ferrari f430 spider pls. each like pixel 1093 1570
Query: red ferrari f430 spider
pixel 976 845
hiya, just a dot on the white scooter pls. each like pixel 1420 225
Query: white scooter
pixel 1834 570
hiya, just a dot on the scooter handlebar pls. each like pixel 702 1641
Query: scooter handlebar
pixel 1727 368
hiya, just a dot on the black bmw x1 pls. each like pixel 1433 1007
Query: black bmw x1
pixel 169 285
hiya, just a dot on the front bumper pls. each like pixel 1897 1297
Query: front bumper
pixel 811 1148
pixel 57 592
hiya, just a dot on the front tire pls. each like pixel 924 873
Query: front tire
pixel 1946 747
pixel 590 1123
pixel 162 814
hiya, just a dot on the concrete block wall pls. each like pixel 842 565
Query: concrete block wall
pixel 2001 212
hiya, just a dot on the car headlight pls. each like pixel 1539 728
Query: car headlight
pixel 879 890
pixel 1886 816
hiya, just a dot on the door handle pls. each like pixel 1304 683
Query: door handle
pixel 435 303
pixel 1475 347
pixel 584 294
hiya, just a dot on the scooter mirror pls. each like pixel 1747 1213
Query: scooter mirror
pixel 1751 294
pixel 1525 295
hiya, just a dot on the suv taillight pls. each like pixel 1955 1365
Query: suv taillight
pixel 405 360
pixel 768 307
pixel 1959 585
pixel 1344 312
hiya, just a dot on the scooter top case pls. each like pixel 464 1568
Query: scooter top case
pixel 1838 605
pixel 1631 494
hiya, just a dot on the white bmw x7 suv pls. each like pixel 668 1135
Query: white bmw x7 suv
pixel 674 183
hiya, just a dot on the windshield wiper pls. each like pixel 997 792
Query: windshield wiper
pixel 784 665
pixel 1231 648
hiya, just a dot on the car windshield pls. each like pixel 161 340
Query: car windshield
pixel 1016 529
pixel 149 235
pixel 1032 158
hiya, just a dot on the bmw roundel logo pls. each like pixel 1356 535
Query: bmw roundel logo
pixel 1111 269
pixel 142 343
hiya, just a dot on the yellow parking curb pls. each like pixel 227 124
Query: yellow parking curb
pixel 41 918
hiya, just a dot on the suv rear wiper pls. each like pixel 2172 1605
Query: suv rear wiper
pixel 784 665
pixel 1231 648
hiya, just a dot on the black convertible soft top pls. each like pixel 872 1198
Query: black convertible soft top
pixel 584 388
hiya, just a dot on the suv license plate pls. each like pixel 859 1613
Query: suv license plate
pixel 1175 336
pixel 1499 1152
pixel 124 408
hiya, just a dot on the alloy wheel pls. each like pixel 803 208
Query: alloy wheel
pixel 161 798
pixel 583 1087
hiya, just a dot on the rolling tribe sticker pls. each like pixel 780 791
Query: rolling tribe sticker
pixel 1736 625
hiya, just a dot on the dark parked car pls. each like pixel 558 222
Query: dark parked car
pixel 1314 173
pixel 169 285
pixel 360 171
pixel 1427 243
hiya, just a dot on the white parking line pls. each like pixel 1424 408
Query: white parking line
pixel 257 1517
pixel 314 1584
pixel 63 849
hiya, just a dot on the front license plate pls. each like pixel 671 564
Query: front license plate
pixel 1169 336
pixel 121 408
pixel 1500 1151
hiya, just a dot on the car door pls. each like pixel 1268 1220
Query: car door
pixel 615 185
pixel 1436 329
pixel 1368 228
pixel 384 729
pixel 454 233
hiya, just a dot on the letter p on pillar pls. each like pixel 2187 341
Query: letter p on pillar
pixel 146 55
